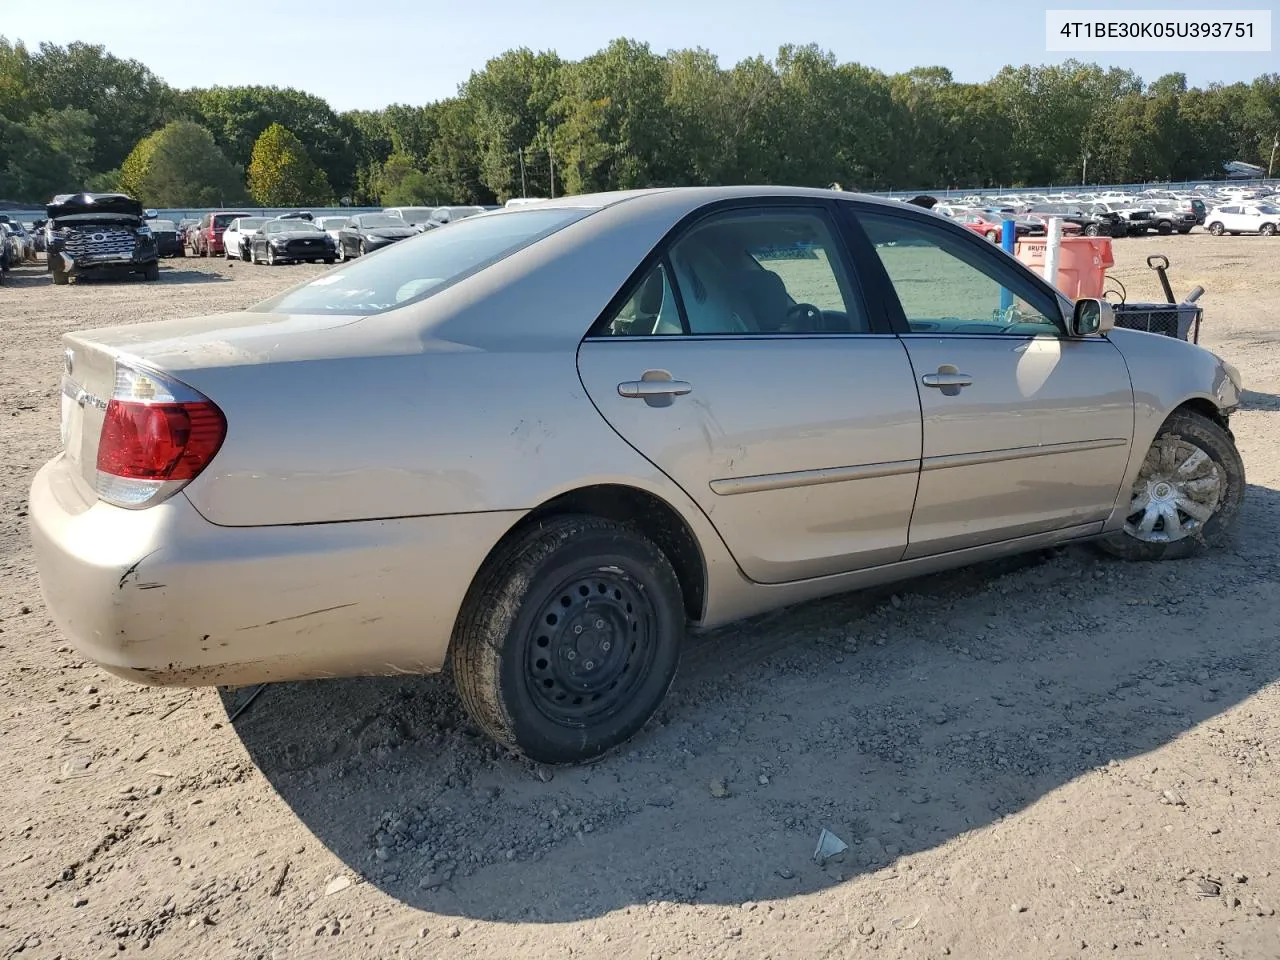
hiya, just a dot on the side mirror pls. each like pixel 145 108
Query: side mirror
pixel 1091 317
pixel 151 214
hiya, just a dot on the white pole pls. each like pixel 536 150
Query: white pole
pixel 1053 246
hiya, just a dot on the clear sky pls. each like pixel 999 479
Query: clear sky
pixel 368 53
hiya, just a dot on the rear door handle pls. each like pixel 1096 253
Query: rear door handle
pixel 644 389
pixel 947 380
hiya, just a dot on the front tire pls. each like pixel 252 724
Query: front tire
pixel 1187 496
pixel 569 639
pixel 151 271
pixel 1268 230
pixel 1092 230
pixel 271 256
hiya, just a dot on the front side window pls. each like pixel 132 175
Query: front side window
pixel 414 268
pixel 948 285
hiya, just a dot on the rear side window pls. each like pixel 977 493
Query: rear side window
pixel 413 269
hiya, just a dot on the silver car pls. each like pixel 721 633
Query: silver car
pixel 543 442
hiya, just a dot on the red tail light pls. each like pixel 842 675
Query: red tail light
pixel 157 436
pixel 159 441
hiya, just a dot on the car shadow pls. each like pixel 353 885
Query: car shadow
pixel 26 275
pixel 897 719
pixel 1256 400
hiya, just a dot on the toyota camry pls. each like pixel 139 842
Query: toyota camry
pixel 541 444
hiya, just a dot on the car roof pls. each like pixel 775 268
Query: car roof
pixel 690 198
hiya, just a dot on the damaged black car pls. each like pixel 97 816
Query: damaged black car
pixel 99 234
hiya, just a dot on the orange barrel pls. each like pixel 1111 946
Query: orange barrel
pixel 1082 263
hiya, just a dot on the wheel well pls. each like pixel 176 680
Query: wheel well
pixel 646 514
pixel 1206 408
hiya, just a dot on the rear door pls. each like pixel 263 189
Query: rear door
pixel 744 363
pixel 1025 430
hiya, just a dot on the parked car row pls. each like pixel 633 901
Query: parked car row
pixel 1119 213
pixel 299 237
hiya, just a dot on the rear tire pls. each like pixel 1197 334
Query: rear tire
pixel 993 236
pixel 569 639
pixel 1216 229
pixel 1092 230
pixel 1193 472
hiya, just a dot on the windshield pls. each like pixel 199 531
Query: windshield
pixel 163 226
pixel 376 220
pixel 251 223
pixel 331 223
pixel 1268 210
pixel 413 269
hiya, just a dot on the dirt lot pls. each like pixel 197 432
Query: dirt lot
pixel 1057 757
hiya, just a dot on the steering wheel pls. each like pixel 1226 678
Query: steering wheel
pixel 805 314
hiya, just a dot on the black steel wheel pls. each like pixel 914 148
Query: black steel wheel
pixel 593 644
pixel 569 638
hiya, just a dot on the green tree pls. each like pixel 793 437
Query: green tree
pixel 185 168
pixel 68 131
pixel 31 170
pixel 282 175
pixel 238 116
pixel 136 166
pixel 124 98
pixel 402 184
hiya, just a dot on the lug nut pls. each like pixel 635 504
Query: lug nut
pixel 605 646
pixel 589 665
pixel 577 628
pixel 571 655
pixel 599 624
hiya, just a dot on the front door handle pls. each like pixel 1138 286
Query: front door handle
pixel 947 380
pixel 644 389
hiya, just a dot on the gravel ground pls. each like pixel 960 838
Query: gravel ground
pixel 1058 756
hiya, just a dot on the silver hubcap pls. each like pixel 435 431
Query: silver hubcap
pixel 1177 491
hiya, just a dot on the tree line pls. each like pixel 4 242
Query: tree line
pixel 77 117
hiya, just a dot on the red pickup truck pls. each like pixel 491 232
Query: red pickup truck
pixel 205 240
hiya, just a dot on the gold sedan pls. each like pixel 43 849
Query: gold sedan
pixel 542 442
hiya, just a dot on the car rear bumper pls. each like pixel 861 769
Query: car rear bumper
pixel 161 596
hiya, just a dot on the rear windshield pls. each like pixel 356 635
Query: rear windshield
pixel 374 220
pixel 221 220
pixel 413 269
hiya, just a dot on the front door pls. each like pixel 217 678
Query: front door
pixel 744 367
pixel 1025 429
